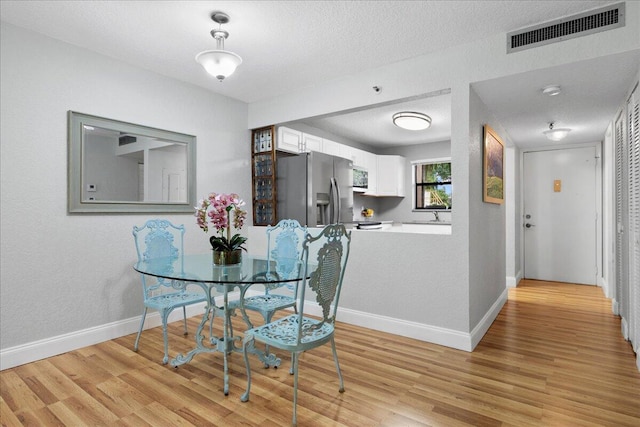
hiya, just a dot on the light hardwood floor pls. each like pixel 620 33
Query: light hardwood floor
pixel 553 357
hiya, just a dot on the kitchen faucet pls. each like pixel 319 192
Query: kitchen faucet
pixel 435 213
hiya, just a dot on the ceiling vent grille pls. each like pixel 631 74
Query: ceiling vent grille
pixel 591 22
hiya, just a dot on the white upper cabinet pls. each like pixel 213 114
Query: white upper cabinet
pixel 390 179
pixel 386 174
pixel 331 147
pixel 346 151
pixel 289 140
pixel 359 157
pixel 311 143
pixel 370 163
pixel 356 155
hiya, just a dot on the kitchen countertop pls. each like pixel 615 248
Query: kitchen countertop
pixel 419 227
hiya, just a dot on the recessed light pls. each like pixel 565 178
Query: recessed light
pixel 551 90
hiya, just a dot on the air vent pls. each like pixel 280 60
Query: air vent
pixel 591 22
pixel 126 139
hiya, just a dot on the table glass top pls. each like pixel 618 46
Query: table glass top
pixel 200 268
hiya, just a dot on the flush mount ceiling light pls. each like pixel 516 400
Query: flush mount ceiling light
pixel 411 120
pixel 556 134
pixel 219 63
pixel 551 90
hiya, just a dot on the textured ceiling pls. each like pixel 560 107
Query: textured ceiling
pixel 285 45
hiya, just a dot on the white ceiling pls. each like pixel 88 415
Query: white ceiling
pixel 289 45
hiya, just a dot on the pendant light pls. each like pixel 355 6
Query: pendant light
pixel 219 63
pixel 556 134
pixel 411 120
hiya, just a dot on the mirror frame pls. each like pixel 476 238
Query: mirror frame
pixel 76 121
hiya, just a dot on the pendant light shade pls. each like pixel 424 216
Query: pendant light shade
pixel 219 63
pixel 411 120
pixel 556 134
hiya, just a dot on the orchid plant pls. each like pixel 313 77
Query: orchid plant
pixel 222 210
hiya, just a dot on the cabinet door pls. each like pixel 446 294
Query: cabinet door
pixel 391 176
pixel 330 147
pixel 263 168
pixel 371 164
pixel 289 140
pixel 311 143
pixel 346 152
pixel 359 157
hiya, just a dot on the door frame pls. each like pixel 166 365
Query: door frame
pixel 599 200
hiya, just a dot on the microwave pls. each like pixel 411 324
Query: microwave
pixel 360 179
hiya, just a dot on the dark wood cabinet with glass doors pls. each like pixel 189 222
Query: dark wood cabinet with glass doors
pixel 263 168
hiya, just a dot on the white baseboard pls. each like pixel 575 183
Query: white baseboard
pixel 37 350
pixel 624 328
pixel 483 326
pixel 49 347
pixel 604 285
pixel 512 281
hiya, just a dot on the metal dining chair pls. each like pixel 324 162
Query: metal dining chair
pixel 284 249
pixel 162 241
pixel 297 333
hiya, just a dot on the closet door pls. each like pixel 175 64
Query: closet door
pixel 622 210
pixel 633 137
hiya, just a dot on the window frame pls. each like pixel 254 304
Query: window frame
pixel 418 186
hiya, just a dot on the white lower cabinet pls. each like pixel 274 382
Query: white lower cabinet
pixel 390 176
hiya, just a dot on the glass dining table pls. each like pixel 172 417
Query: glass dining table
pixel 218 281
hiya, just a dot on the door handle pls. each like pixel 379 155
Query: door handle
pixel 529 225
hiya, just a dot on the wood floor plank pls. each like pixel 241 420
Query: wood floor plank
pixel 553 357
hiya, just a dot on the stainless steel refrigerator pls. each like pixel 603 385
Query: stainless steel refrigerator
pixel 315 189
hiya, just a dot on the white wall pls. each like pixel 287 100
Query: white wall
pixel 63 273
pixel 487 228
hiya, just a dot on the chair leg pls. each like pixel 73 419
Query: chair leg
pixel 293 361
pixel 248 340
pixel 184 315
pixel 335 358
pixel 294 364
pixel 165 315
pixel 144 315
pixel 267 319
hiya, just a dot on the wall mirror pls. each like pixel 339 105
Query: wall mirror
pixel 120 167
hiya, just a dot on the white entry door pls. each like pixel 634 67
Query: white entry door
pixel 560 215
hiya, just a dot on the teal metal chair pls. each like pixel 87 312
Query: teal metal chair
pixel 325 257
pixel 160 240
pixel 284 248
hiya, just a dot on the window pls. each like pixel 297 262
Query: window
pixel 433 188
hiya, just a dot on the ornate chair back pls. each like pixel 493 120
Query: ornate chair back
pixel 284 247
pixel 329 250
pixel 160 241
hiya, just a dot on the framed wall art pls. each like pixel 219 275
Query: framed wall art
pixel 493 184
